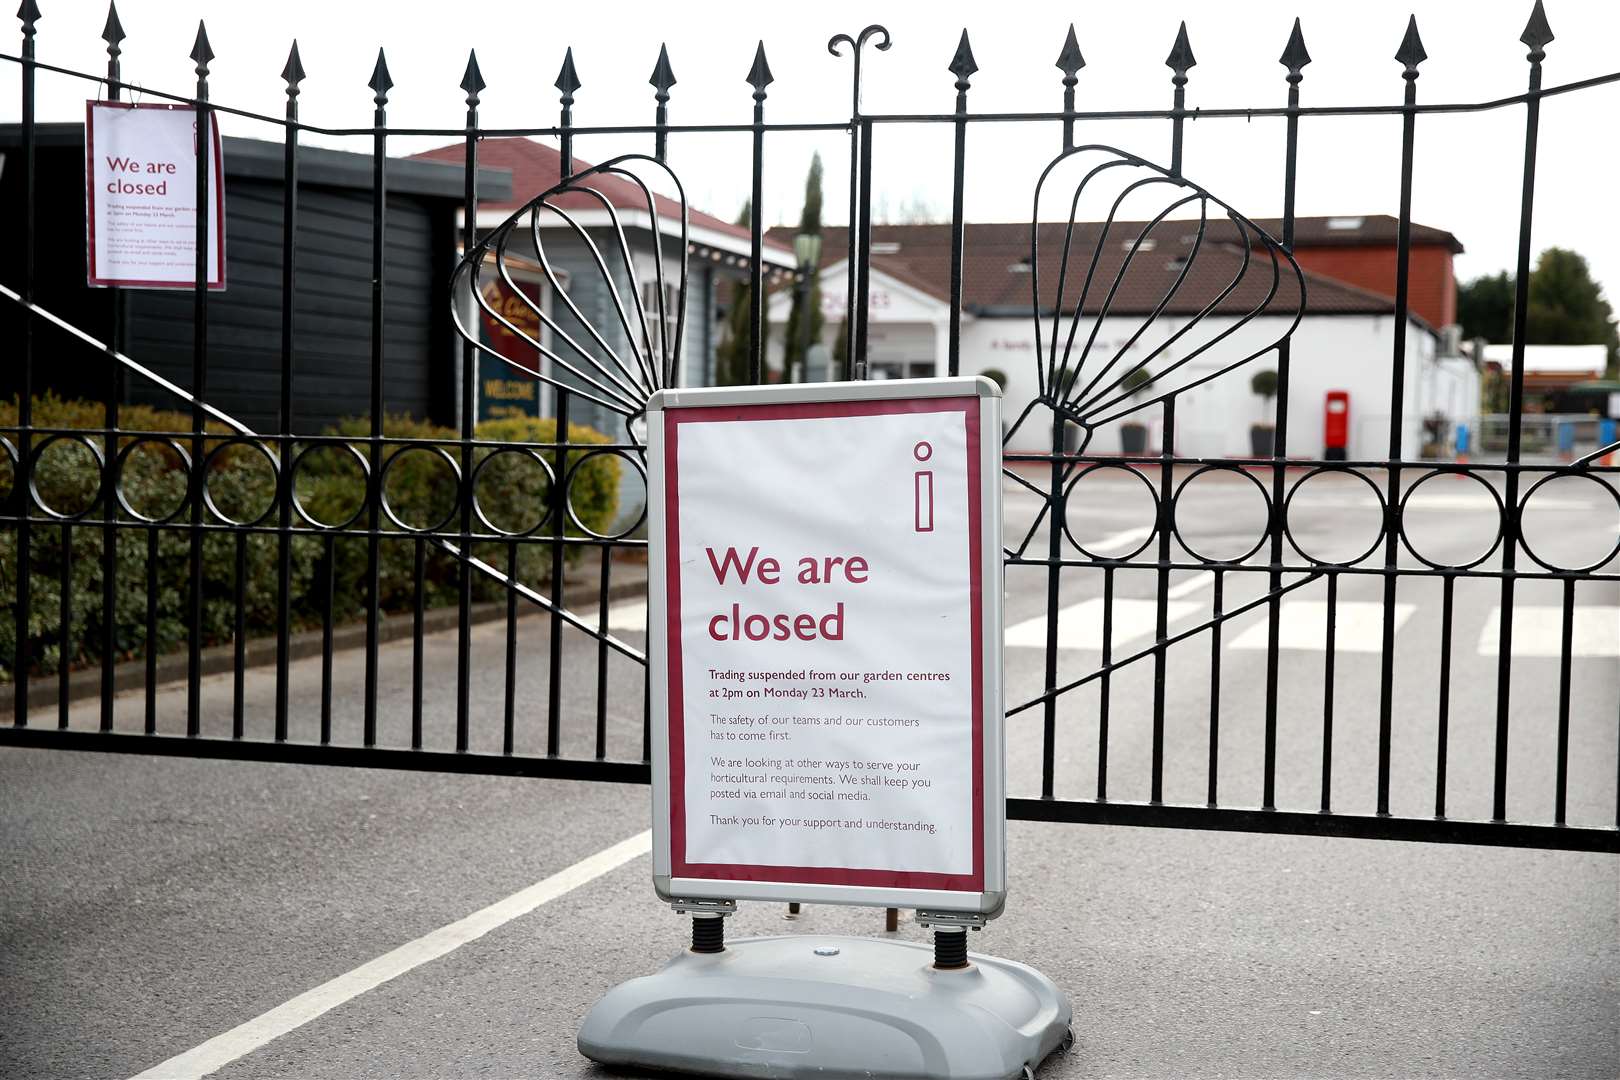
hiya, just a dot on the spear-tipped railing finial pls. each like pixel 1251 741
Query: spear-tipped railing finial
pixel 1294 55
pixel 381 82
pixel 1180 61
pixel 201 51
pixel 1411 53
pixel 567 78
pixel 1070 61
pixel 962 64
pixel 472 80
pixel 567 82
pixel 1537 33
pixel 113 34
pixel 663 76
pixel 1181 58
pixel 759 76
pixel 293 73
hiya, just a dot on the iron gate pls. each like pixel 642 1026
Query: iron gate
pixel 1251 285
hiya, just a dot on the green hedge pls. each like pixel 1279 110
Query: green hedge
pixel 330 486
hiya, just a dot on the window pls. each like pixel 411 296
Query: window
pixel 672 314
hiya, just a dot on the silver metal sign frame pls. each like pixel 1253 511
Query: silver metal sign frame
pixel 987 903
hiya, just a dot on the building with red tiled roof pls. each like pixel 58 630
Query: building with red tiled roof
pixel 536 168
pixel 1182 303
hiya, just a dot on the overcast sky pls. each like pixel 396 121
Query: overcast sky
pixel 1468 166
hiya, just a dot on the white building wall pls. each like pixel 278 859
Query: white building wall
pixel 1352 353
pixel 1337 352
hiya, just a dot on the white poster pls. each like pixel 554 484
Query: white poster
pixel 824 579
pixel 141 190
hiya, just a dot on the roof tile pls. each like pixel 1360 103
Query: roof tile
pixel 536 167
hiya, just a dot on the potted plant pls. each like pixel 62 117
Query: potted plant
pixel 1263 436
pixel 1133 433
pixel 1435 427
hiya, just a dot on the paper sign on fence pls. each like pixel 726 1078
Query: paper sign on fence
pixel 141 194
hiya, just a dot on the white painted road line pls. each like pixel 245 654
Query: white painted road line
pixel 1196 583
pixel 630 616
pixel 221 1050
pixel 1539 631
pixel 1080 626
pixel 1359 626
pixel 1120 541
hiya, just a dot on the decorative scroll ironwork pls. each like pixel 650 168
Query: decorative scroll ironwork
pixel 617 375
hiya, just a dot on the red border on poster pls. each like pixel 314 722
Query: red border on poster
pixel 870 877
pixel 218 188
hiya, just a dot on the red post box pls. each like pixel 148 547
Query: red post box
pixel 1336 425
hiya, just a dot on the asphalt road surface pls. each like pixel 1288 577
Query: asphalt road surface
pixel 290 921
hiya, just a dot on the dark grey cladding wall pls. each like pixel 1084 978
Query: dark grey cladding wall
pixel 332 298
pixel 332 306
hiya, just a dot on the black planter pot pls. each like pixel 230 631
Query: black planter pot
pixel 1262 440
pixel 1133 438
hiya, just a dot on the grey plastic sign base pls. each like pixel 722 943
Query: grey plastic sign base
pixel 827 1007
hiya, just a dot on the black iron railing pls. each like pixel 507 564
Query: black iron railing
pixel 1082 386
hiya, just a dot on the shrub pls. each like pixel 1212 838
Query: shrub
pixel 330 486
pixel 513 490
pixel 1135 380
pixel 153 481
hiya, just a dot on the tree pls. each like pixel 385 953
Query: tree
pixel 1485 307
pixel 731 354
pixel 1566 306
pixel 793 357
pixel 1264 386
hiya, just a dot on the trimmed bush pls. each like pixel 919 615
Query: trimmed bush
pixel 330 485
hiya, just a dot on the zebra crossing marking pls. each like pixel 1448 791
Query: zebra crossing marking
pixel 1539 631
pixel 1302 625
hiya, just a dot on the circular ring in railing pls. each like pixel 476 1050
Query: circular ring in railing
pixel 121 475
pixel 1068 495
pixel 573 475
pixel 1288 511
pixel 1406 532
pixel 433 452
pixel 38 455
pixel 546 501
pixel 213 461
pixel 1175 524
pixel 10 462
pixel 340 446
pixel 1524 505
